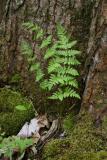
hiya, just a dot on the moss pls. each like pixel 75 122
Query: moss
pixel 15 78
pixel 84 143
pixel 11 120
pixel 55 148
pixel 69 123
pixel 101 155
pixel 83 137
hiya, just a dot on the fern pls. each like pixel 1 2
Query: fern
pixel 34 67
pixel 46 42
pixel 53 66
pixel 68 53
pixel 39 75
pixel 10 144
pixel 61 94
pixel 34 28
pixel 26 49
pixel 50 52
pixel 61 58
pixel 44 85
pixel 61 67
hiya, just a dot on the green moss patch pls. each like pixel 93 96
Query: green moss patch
pixel 84 143
pixel 11 119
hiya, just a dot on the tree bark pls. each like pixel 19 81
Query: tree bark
pixel 95 93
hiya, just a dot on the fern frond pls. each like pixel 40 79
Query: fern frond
pixel 54 79
pixel 67 70
pixel 44 84
pixel 61 33
pixel 73 94
pixel 49 53
pixel 46 42
pixel 34 28
pixel 61 80
pixel 73 83
pixel 35 67
pixel 61 94
pixel 28 25
pixel 65 46
pixel 61 59
pixel 71 61
pixel 63 40
pixel 57 95
pixel 60 29
pixel 26 49
pixel 39 75
pixel 56 59
pixel 65 60
pixel 67 78
pixel 68 53
pixel 68 92
pixel 53 66
pixel 71 44
pixel 40 34
pixel 72 71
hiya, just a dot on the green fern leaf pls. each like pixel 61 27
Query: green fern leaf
pixel 67 70
pixel 39 75
pixel 40 34
pixel 73 52
pixel 68 92
pixel 31 26
pixel 46 42
pixel 60 30
pixel 72 71
pixel 66 60
pixel 65 46
pixel 61 33
pixel 57 95
pixel 26 49
pixel 73 83
pixel 28 25
pixel 68 53
pixel 53 66
pixel 49 53
pixel 54 80
pixel 71 61
pixel 71 44
pixel 61 80
pixel 35 67
pixel 73 94
pixel 44 84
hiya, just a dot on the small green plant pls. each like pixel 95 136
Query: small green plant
pixel 11 144
pixel 21 107
pixel 59 78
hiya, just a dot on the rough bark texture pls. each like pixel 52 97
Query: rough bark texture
pixel 95 93
pixel 85 21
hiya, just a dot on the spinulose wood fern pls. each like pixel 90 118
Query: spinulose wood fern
pixel 62 62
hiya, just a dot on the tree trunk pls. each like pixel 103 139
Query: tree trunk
pixel 95 93
pixel 84 19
